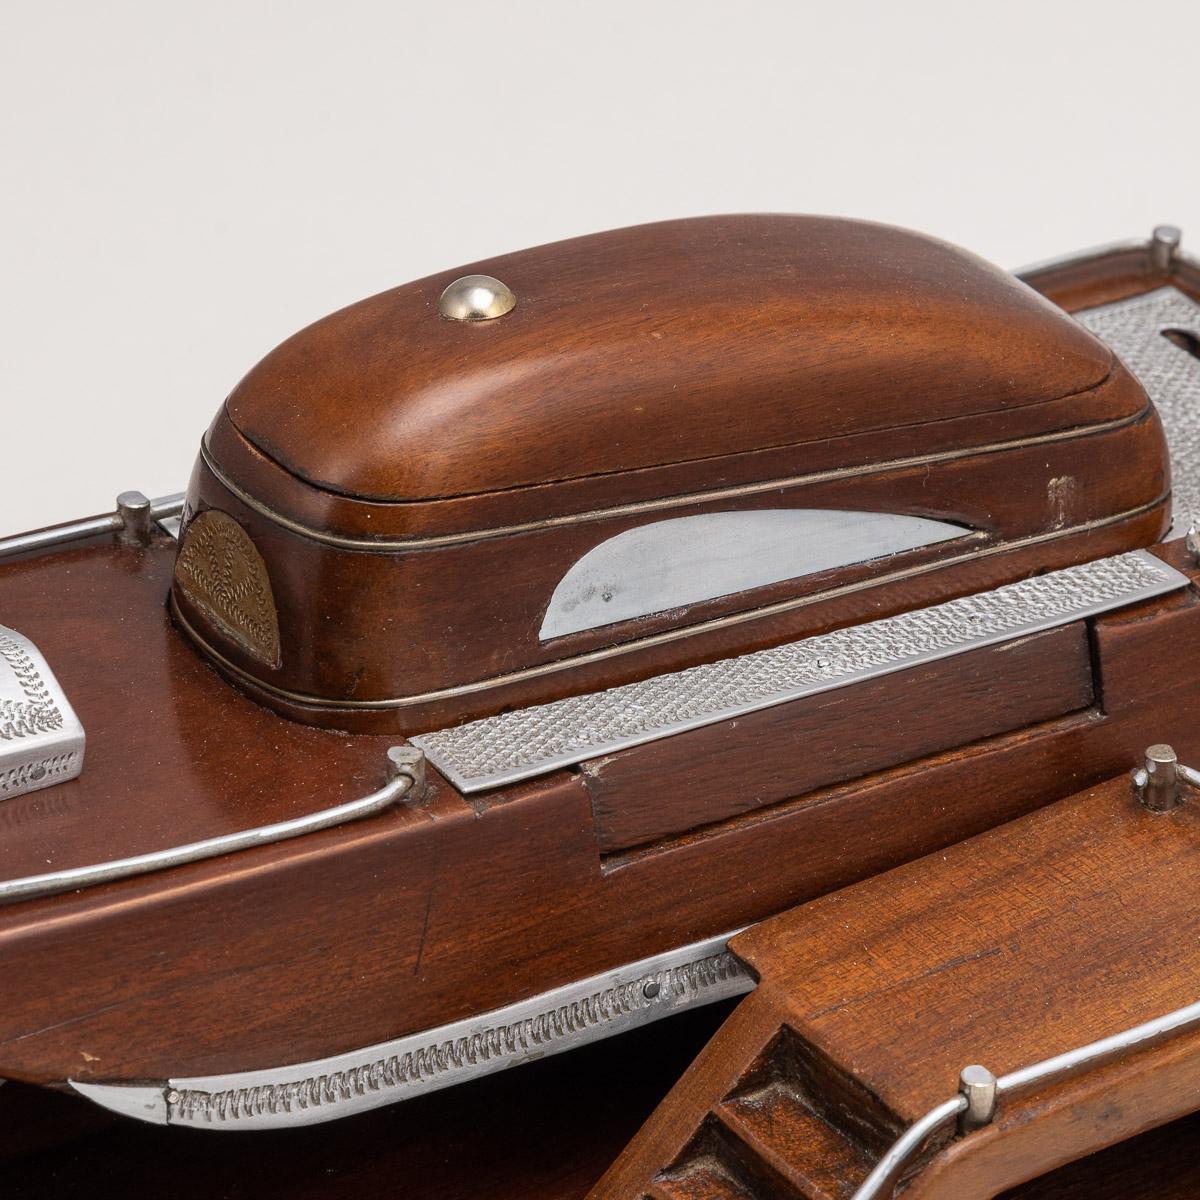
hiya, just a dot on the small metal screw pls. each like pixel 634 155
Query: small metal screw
pixel 172 1097
pixel 651 989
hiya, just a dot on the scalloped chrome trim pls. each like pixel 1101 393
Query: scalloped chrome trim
pixel 329 1088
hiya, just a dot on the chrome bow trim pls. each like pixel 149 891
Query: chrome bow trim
pixel 329 1088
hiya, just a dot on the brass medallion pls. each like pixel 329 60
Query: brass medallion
pixel 223 575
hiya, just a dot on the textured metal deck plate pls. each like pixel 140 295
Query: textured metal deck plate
pixel 41 739
pixel 1135 330
pixel 532 741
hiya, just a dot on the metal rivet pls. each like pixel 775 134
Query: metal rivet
pixel 476 298
pixel 978 1084
pixel 651 989
pixel 1164 245
pixel 172 1097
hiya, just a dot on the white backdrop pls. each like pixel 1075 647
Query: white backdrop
pixel 184 184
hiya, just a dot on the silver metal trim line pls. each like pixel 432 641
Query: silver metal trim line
pixel 524 743
pixel 330 1088
pixel 678 561
pixel 406 773
pixel 1162 248
pixel 165 508
pixel 387 544
pixel 887 1171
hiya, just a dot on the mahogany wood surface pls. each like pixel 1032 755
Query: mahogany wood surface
pixel 438 635
pixel 1030 940
pixel 1108 276
pixel 836 736
pixel 135 971
pixel 807 362
pixel 658 344
pixel 428 914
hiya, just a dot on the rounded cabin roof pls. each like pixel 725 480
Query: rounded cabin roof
pixel 655 345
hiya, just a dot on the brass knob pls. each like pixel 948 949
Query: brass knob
pixel 476 298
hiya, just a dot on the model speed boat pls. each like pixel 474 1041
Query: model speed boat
pixel 528 631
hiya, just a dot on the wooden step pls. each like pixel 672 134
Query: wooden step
pixel 704 1177
pixel 807 1155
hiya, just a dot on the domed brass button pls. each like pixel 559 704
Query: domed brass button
pixel 476 298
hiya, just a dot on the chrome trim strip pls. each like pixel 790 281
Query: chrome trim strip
pixel 679 561
pixel 888 1169
pixel 162 509
pixel 329 1088
pixel 405 774
pixel 387 545
pixel 253 683
pixel 524 743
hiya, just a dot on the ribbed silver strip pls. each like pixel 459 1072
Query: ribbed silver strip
pixel 532 741
pixel 549 1023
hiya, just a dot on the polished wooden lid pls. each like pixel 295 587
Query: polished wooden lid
pixel 660 344
pixel 395 508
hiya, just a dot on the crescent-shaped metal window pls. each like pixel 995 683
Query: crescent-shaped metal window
pixel 684 560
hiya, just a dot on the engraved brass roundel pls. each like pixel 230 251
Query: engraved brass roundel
pixel 223 575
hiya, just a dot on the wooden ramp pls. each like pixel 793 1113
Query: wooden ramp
pixel 1036 938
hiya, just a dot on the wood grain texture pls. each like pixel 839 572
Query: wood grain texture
pixel 1040 936
pixel 809 363
pixel 796 748
pixel 460 639
pixel 657 344
pixel 429 915
pixel 137 972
